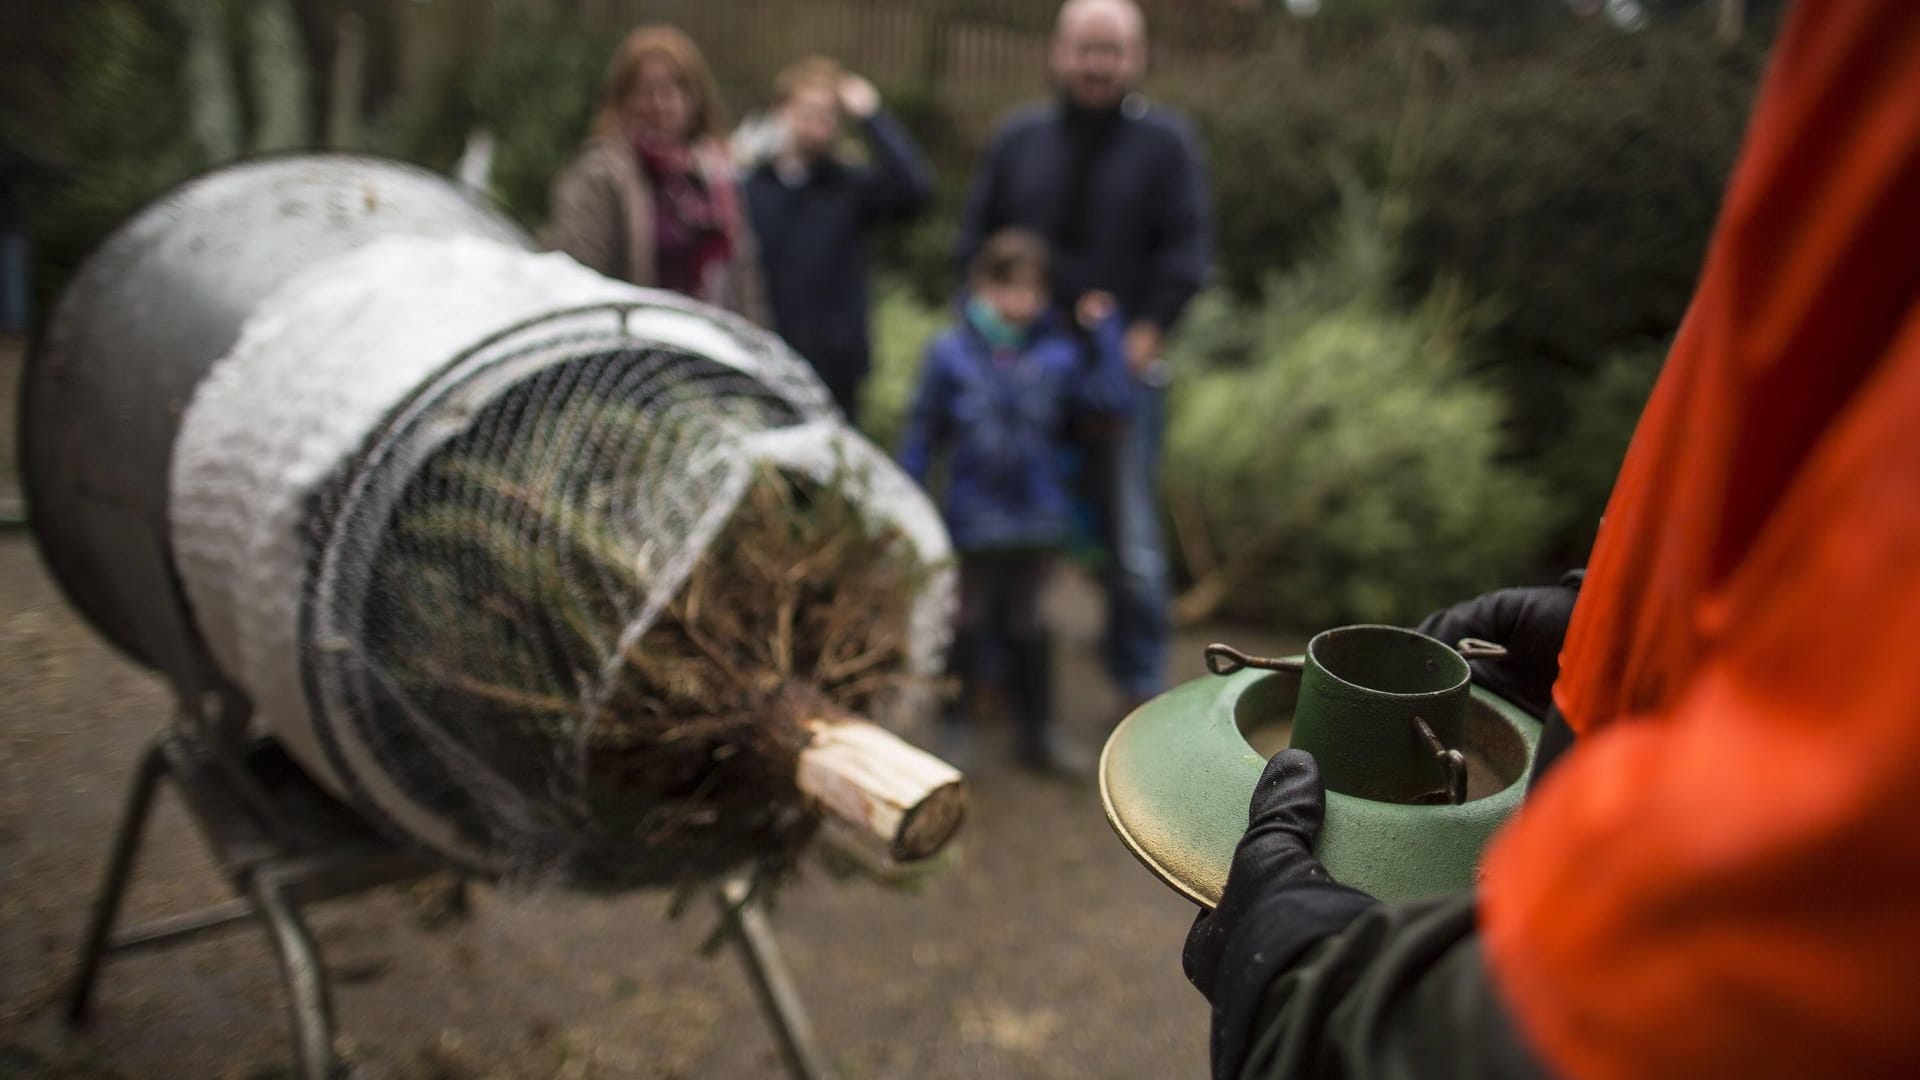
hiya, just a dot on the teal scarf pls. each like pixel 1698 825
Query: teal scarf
pixel 999 333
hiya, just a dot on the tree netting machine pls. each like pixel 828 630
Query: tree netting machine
pixel 460 555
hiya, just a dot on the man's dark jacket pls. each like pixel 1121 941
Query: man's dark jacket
pixel 811 245
pixel 1139 229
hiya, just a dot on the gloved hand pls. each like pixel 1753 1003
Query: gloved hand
pixel 1284 819
pixel 1531 621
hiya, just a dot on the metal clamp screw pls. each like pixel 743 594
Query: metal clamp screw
pixel 1226 660
pixel 1453 761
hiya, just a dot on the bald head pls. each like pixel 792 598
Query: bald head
pixel 1123 13
pixel 1099 51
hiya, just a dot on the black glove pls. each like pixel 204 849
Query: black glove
pixel 1278 904
pixel 1276 852
pixel 1530 621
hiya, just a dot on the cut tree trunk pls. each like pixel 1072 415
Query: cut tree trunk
pixel 884 786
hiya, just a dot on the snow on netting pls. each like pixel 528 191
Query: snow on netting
pixel 543 570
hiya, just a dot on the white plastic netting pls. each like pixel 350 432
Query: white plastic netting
pixel 537 567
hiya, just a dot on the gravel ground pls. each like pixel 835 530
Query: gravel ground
pixel 1040 950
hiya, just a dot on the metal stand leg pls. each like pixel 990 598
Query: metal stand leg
pixel 272 871
pixel 308 1003
pixel 106 907
pixel 746 924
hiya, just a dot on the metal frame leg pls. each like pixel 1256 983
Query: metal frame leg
pixel 309 1005
pixel 106 907
pixel 271 873
pixel 747 926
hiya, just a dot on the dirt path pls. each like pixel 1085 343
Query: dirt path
pixel 1043 950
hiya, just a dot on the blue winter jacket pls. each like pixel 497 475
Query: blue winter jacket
pixel 1000 415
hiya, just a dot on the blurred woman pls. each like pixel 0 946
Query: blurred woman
pixel 652 198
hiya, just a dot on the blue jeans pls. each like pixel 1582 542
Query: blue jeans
pixel 1122 475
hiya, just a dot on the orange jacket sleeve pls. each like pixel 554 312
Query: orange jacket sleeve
pixel 1723 878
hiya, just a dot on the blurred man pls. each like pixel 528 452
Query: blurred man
pixel 812 210
pixel 1119 189
pixel 1718 877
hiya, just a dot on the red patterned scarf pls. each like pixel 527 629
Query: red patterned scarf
pixel 696 217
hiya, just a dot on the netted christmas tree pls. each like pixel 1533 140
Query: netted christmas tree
pixel 598 707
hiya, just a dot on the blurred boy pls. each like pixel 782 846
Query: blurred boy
pixel 997 392
pixel 811 211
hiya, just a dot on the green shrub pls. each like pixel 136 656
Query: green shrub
pixel 1282 130
pixel 1579 183
pixel 903 324
pixel 1580 466
pixel 133 97
pixel 919 254
pixel 1330 458
pixel 118 136
pixel 536 91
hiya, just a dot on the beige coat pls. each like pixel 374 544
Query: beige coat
pixel 602 214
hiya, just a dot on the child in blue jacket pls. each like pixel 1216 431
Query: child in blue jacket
pixel 997 393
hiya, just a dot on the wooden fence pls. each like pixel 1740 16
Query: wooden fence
pixel 972 54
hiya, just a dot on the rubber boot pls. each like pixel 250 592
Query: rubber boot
pixel 953 734
pixel 1038 745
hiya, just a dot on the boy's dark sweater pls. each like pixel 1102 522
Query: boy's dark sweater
pixel 811 244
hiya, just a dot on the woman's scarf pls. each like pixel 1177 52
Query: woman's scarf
pixel 696 218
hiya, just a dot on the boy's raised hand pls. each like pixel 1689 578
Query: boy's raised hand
pixel 1094 308
pixel 858 96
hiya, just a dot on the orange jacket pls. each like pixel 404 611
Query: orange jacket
pixel 1723 877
